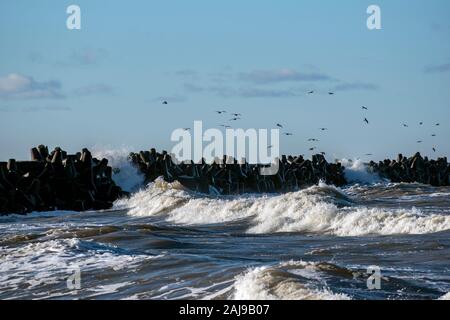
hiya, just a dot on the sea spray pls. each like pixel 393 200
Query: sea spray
pixel 124 173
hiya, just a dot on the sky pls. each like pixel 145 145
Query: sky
pixel 103 86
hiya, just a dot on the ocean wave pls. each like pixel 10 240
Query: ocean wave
pixel 319 209
pixel 124 173
pixel 39 264
pixel 445 296
pixel 300 281
pixel 356 171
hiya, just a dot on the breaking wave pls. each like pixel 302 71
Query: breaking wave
pixel 124 173
pixel 319 209
pixel 356 171
pixel 287 281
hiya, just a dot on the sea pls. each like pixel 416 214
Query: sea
pixel 370 240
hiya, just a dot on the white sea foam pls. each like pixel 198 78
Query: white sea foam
pixel 125 174
pixel 445 296
pixel 319 209
pixel 52 262
pixel 272 283
pixel 356 171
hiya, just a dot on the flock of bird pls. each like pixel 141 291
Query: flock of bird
pixel 237 116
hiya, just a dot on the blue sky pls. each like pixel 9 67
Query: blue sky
pixel 103 85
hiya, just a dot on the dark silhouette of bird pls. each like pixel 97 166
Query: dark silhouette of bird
pixel 420 141
pixel 438 124
pixel 405 125
pixel 434 149
pixel 331 93
pixel 236 114
pixel 323 129
pixel 313 140
pixel 366 121
pixel 221 112
pixel 369 154
pixel 270 147
pixel 279 125
pixel 288 134
pixel 364 108
pixel 311 149
pixel 311 92
pixel 165 102
pixel 186 129
pixel 235 119
pixel 433 135
pixel 420 123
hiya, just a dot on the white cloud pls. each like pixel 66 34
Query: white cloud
pixel 17 86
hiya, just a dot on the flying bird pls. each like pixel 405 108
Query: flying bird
pixel 433 135
pixel 364 108
pixel 186 129
pixel 366 121
pixel 323 129
pixel 405 125
pixel 420 123
pixel 420 141
pixel 165 102
pixel 235 119
pixel 311 92
pixel 369 154
pixel 438 124
pixel 236 114
pixel 434 149
pixel 313 140
pixel 221 112
pixel 331 93
pixel 311 149
pixel 288 134
pixel 279 125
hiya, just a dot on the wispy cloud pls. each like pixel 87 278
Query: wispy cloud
pixel 170 98
pixel 88 56
pixel 94 89
pixel 35 108
pixel 282 75
pixel 350 86
pixel 439 68
pixel 17 86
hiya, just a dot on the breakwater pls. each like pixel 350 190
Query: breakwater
pixel 57 181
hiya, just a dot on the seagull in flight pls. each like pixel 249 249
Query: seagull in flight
pixel 323 129
pixel 364 108
pixel 420 123
pixel 331 93
pixel 311 92
pixel 236 114
pixel 221 112
pixel 434 149
pixel 311 149
pixel 288 134
pixel 433 135
pixel 186 129
pixel 313 140
pixel 366 121
pixel 235 119
pixel 438 124
pixel 165 102
pixel 369 154
pixel 279 126
pixel 405 125
pixel 420 141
